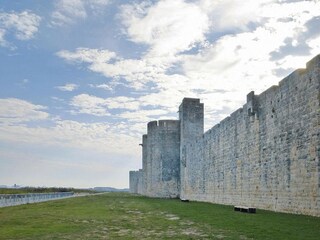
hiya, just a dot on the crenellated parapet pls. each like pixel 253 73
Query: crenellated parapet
pixel 152 126
pixel 252 104
pixel 163 125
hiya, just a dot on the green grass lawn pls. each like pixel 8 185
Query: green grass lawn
pixel 125 216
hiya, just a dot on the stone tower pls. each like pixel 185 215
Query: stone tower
pixel 145 165
pixel 161 157
pixel 191 115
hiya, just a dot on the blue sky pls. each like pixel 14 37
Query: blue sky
pixel 80 79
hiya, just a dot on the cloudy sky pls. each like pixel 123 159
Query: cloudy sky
pixel 80 79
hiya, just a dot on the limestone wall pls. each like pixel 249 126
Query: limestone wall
pixel 136 182
pixel 161 159
pixel 265 154
pixel 191 127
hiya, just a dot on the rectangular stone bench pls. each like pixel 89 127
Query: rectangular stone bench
pixel 245 209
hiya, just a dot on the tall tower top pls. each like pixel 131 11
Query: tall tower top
pixel 191 113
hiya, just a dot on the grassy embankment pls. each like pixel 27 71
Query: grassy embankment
pixel 123 216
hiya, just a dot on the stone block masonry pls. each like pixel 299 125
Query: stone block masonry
pixel 136 181
pixel 265 154
pixel 161 152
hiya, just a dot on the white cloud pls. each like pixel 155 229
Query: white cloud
pixel 122 102
pixel 57 99
pixel 87 104
pixel 221 70
pixel 97 106
pixel 97 5
pixel 87 55
pixel 143 116
pixel 168 26
pixel 171 89
pixel 135 72
pixel 102 137
pixel 68 11
pixel 233 14
pixel 315 45
pixel 107 87
pixel 133 110
pixel 69 87
pixel 23 25
pixel 247 55
pixel 71 11
pixel 3 41
pixel 13 110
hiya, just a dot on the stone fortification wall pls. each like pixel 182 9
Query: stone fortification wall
pixel 7 200
pixel 265 154
pixel 161 159
pixel 136 182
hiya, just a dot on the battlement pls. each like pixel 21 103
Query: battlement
pixel 169 124
pixel 163 125
pixel 190 100
pixel 252 103
pixel 152 125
